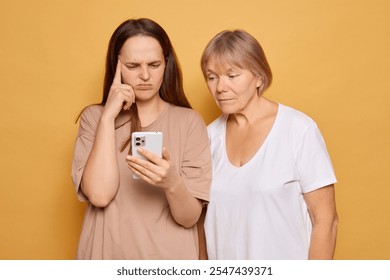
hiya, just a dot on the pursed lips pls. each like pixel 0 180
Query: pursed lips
pixel 144 86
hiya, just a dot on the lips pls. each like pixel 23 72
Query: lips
pixel 225 100
pixel 144 86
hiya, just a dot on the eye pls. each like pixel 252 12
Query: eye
pixel 232 76
pixel 154 65
pixel 131 66
pixel 211 77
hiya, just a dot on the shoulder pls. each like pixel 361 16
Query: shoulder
pixel 89 120
pixel 91 115
pixel 183 114
pixel 295 118
pixel 92 111
pixel 217 124
pixel 174 109
pixel 186 124
pixel 298 128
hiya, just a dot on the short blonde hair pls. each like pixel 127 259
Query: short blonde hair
pixel 238 48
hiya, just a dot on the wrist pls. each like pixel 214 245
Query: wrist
pixel 174 186
pixel 107 118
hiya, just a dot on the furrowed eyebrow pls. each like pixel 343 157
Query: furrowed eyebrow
pixel 131 63
pixel 137 63
pixel 155 62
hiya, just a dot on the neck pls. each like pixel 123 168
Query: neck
pixel 256 109
pixel 149 111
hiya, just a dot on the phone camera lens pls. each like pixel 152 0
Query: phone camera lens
pixel 137 143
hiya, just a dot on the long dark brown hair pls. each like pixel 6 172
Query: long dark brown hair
pixel 171 89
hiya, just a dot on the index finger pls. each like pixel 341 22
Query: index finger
pixel 118 73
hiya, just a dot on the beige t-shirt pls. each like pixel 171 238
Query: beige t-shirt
pixel 137 224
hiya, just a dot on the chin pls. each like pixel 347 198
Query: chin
pixel 227 110
pixel 228 107
pixel 145 94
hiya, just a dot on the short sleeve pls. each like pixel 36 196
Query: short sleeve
pixel 314 166
pixel 196 162
pixel 86 136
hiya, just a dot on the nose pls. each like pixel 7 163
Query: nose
pixel 221 85
pixel 144 74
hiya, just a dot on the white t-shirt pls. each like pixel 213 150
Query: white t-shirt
pixel 257 211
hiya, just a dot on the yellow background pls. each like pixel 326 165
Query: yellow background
pixel 329 58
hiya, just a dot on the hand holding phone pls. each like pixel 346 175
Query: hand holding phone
pixel 150 141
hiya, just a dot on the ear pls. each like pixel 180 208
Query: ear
pixel 259 83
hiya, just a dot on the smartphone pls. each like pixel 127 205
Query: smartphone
pixel 151 141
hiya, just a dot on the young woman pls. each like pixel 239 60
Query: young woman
pixel 155 216
pixel 272 195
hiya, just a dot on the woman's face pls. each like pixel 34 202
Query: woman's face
pixel 143 66
pixel 233 88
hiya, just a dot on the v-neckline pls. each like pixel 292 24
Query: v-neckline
pixel 261 147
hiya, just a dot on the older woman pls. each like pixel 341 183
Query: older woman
pixel 272 195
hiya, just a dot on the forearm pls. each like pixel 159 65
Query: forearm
pixel 202 236
pixel 323 240
pixel 101 176
pixel 185 208
pixel 161 173
pixel 322 209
